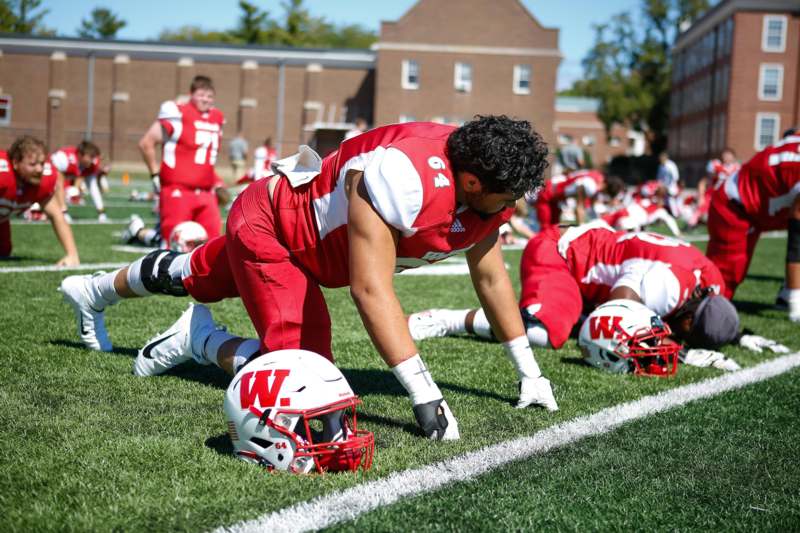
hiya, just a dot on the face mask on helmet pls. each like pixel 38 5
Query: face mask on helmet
pixel 624 336
pixel 293 410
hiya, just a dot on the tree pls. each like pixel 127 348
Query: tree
pixel 101 24
pixel 254 25
pixel 17 16
pixel 629 69
pixel 196 34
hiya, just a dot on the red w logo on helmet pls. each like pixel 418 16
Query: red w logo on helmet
pixel 604 326
pixel 256 386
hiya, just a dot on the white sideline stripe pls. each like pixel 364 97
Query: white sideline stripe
pixel 141 250
pixel 81 222
pixel 54 268
pixel 348 504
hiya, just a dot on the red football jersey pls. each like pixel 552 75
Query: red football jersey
pixel 663 271
pixel 411 186
pixel 768 183
pixel 191 145
pixel 65 160
pixel 17 197
pixel 559 188
pixel 720 172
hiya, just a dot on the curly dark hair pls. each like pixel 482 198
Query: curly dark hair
pixel 506 155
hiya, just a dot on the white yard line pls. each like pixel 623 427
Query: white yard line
pixel 141 250
pixel 346 505
pixel 53 268
pixel 83 222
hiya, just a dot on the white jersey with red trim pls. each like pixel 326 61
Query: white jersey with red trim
pixel 66 161
pixel 767 184
pixel 190 145
pixel 638 214
pixel 411 186
pixel 720 172
pixel 662 271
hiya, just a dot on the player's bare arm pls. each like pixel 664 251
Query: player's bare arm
pixel 148 144
pixel 62 230
pixel 372 262
pixel 494 289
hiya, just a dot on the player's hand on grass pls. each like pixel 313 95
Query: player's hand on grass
pixel 536 391
pixel 757 343
pixel 706 358
pixel 436 420
pixel 69 261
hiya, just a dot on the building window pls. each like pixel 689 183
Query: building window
pixel 773 35
pixel 767 127
pixel 588 140
pixel 5 110
pixel 522 79
pixel 406 118
pixel 410 76
pixel 564 138
pixel 615 142
pixel 770 82
pixel 462 79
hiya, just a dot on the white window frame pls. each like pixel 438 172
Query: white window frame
pixel 518 69
pixel 405 82
pixel 7 121
pixel 761 73
pixel 765 32
pixel 761 116
pixel 459 83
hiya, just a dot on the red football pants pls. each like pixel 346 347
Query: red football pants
pixel 5 238
pixel 732 240
pixel 548 212
pixel 285 304
pixel 548 286
pixel 178 204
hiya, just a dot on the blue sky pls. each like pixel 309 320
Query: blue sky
pixel 146 18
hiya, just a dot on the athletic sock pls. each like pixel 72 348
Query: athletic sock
pixel 455 320
pixel 150 237
pixel 103 291
pixel 521 355
pixel 481 326
pixel 416 379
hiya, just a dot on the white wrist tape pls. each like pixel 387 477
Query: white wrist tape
pixel 521 355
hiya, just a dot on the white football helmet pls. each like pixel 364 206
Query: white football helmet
pixel 294 410
pixel 187 236
pixel 625 336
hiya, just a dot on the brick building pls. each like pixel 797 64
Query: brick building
pixel 576 122
pixel 428 65
pixel 736 81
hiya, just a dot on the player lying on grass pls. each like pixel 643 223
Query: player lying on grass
pixel 763 195
pixel 567 271
pixel 26 178
pixel 79 164
pixel 393 198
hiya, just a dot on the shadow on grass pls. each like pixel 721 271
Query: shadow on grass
pixel 577 361
pixel 130 352
pixel 221 444
pixel 754 308
pixel 14 259
pixel 764 277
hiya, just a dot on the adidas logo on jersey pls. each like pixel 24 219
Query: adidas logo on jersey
pixel 457 227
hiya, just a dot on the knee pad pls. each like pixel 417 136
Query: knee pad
pixel 158 277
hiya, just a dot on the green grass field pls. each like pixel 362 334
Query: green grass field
pixel 88 446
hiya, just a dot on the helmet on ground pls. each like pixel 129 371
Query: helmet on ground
pixel 294 410
pixel 187 236
pixel 623 336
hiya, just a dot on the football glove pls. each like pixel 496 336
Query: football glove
pixel 706 358
pixel 757 343
pixel 436 420
pixel 536 391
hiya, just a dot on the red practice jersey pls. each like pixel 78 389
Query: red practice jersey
pixel 559 188
pixel 65 160
pixel 720 172
pixel 768 183
pixel 662 271
pixel 190 145
pixel 412 188
pixel 16 198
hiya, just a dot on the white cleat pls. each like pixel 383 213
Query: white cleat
pixel 102 218
pixel 129 236
pixel 180 343
pixel 91 322
pixel 433 323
